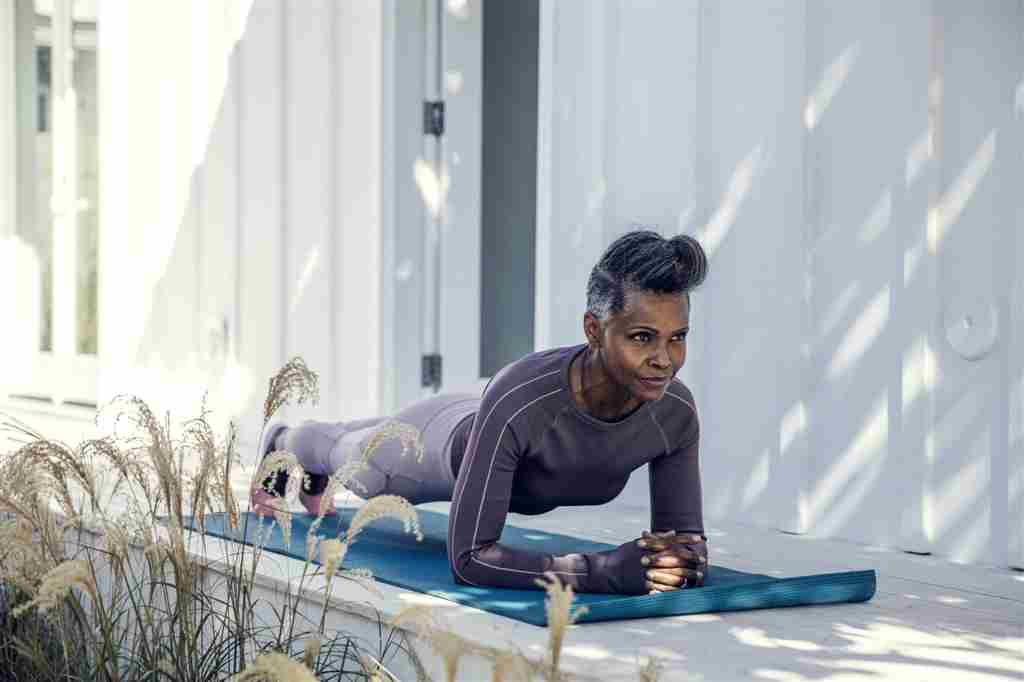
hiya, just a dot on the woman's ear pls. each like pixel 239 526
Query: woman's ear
pixel 592 330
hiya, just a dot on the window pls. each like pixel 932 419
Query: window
pixel 56 228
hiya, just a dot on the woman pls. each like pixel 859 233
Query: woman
pixel 559 427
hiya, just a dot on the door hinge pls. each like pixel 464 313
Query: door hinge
pixel 431 375
pixel 433 118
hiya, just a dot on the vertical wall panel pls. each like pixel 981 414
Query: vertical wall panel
pixel 865 115
pixel 751 227
pixel 148 314
pixel 261 204
pixel 651 107
pixel 981 163
pixel 357 266
pixel 218 313
pixel 1014 255
pixel 579 184
pixel 1011 251
pixel 308 184
pixel 650 138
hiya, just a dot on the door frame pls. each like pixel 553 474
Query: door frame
pixel 455 279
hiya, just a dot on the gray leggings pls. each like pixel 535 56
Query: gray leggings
pixel 322 447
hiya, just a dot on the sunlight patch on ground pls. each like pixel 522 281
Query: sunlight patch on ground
pixel 780 675
pixel 593 653
pixel 638 631
pixel 881 638
pixel 758 638
pixel 850 669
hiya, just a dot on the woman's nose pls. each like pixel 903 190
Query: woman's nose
pixel 661 358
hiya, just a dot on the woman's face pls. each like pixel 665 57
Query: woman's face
pixel 644 345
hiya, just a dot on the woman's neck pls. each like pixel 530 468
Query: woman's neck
pixel 597 393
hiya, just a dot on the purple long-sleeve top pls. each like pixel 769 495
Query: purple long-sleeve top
pixel 530 449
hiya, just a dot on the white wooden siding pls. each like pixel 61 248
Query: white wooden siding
pixel 251 140
pixel 849 170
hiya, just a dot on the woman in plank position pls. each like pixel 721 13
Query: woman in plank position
pixel 564 426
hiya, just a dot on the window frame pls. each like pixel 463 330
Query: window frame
pixel 61 376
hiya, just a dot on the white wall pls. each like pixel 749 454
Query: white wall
pixel 241 201
pixel 801 145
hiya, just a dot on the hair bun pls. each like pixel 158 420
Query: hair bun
pixel 691 258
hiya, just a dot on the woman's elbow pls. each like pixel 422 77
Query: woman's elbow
pixel 461 565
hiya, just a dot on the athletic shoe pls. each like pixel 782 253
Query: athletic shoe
pixel 259 498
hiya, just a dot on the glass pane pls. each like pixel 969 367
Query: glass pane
pixel 84 82
pixel 37 225
pixel 508 205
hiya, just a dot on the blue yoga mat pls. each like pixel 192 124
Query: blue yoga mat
pixel 396 558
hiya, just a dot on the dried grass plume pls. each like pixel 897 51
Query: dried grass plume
pixel 275 667
pixel 57 584
pixel 560 616
pixel 294 381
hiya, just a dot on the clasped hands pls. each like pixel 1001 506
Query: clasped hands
pixel 673 560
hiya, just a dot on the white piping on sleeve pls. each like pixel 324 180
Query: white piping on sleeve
pixel 518 570
pixel 456 508
pixel 494 456
pixel 684 402
pixel 664 438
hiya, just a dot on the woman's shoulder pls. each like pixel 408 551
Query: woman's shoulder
pixel 535 373
pixel 678 392
pixel 677 407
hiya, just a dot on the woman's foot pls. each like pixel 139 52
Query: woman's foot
pixel 312 504
pixel 259 497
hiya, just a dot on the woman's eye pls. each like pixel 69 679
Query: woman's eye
pixel 641 338
pixel 679 338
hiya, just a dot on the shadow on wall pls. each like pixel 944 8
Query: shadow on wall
pixel 252 253
pixel 189 334
pixel 888 447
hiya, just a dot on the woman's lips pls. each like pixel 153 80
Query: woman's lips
pixel 655 381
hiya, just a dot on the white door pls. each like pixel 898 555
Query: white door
pixel 479 261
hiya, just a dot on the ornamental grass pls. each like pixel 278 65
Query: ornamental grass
pixel 105 572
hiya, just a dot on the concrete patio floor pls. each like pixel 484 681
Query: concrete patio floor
pixel 930 619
